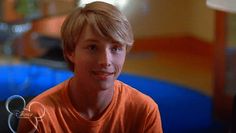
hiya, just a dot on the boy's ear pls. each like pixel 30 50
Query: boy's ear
pixel 70 56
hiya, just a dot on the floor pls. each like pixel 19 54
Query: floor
pixel 193 71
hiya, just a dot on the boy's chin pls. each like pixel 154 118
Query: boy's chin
pixel 104 85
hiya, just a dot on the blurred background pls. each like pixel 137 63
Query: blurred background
pixel 182 43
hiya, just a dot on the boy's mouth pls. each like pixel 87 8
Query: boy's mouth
pixel 103 75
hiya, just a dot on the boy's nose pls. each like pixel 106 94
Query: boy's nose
pixel 105 59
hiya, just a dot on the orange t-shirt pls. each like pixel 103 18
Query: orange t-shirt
pixel 130 111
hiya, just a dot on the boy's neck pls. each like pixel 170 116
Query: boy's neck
pixel 90 104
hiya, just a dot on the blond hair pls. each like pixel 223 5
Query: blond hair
pixel 105 18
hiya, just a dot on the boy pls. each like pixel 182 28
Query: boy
pixel 96 39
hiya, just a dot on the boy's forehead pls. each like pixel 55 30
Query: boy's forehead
pixel 90 33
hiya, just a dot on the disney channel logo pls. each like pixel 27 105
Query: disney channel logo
pixel 23 113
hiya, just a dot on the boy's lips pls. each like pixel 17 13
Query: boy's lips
pixel 103 74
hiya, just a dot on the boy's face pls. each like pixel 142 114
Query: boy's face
pixel 98 61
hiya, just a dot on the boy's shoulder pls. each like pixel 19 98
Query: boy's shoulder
pixel 51 94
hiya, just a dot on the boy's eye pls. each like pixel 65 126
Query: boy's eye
pixel 92 47
pixel 117 48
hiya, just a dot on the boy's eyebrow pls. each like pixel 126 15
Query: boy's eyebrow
pixel 91 40
pixel 97 40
